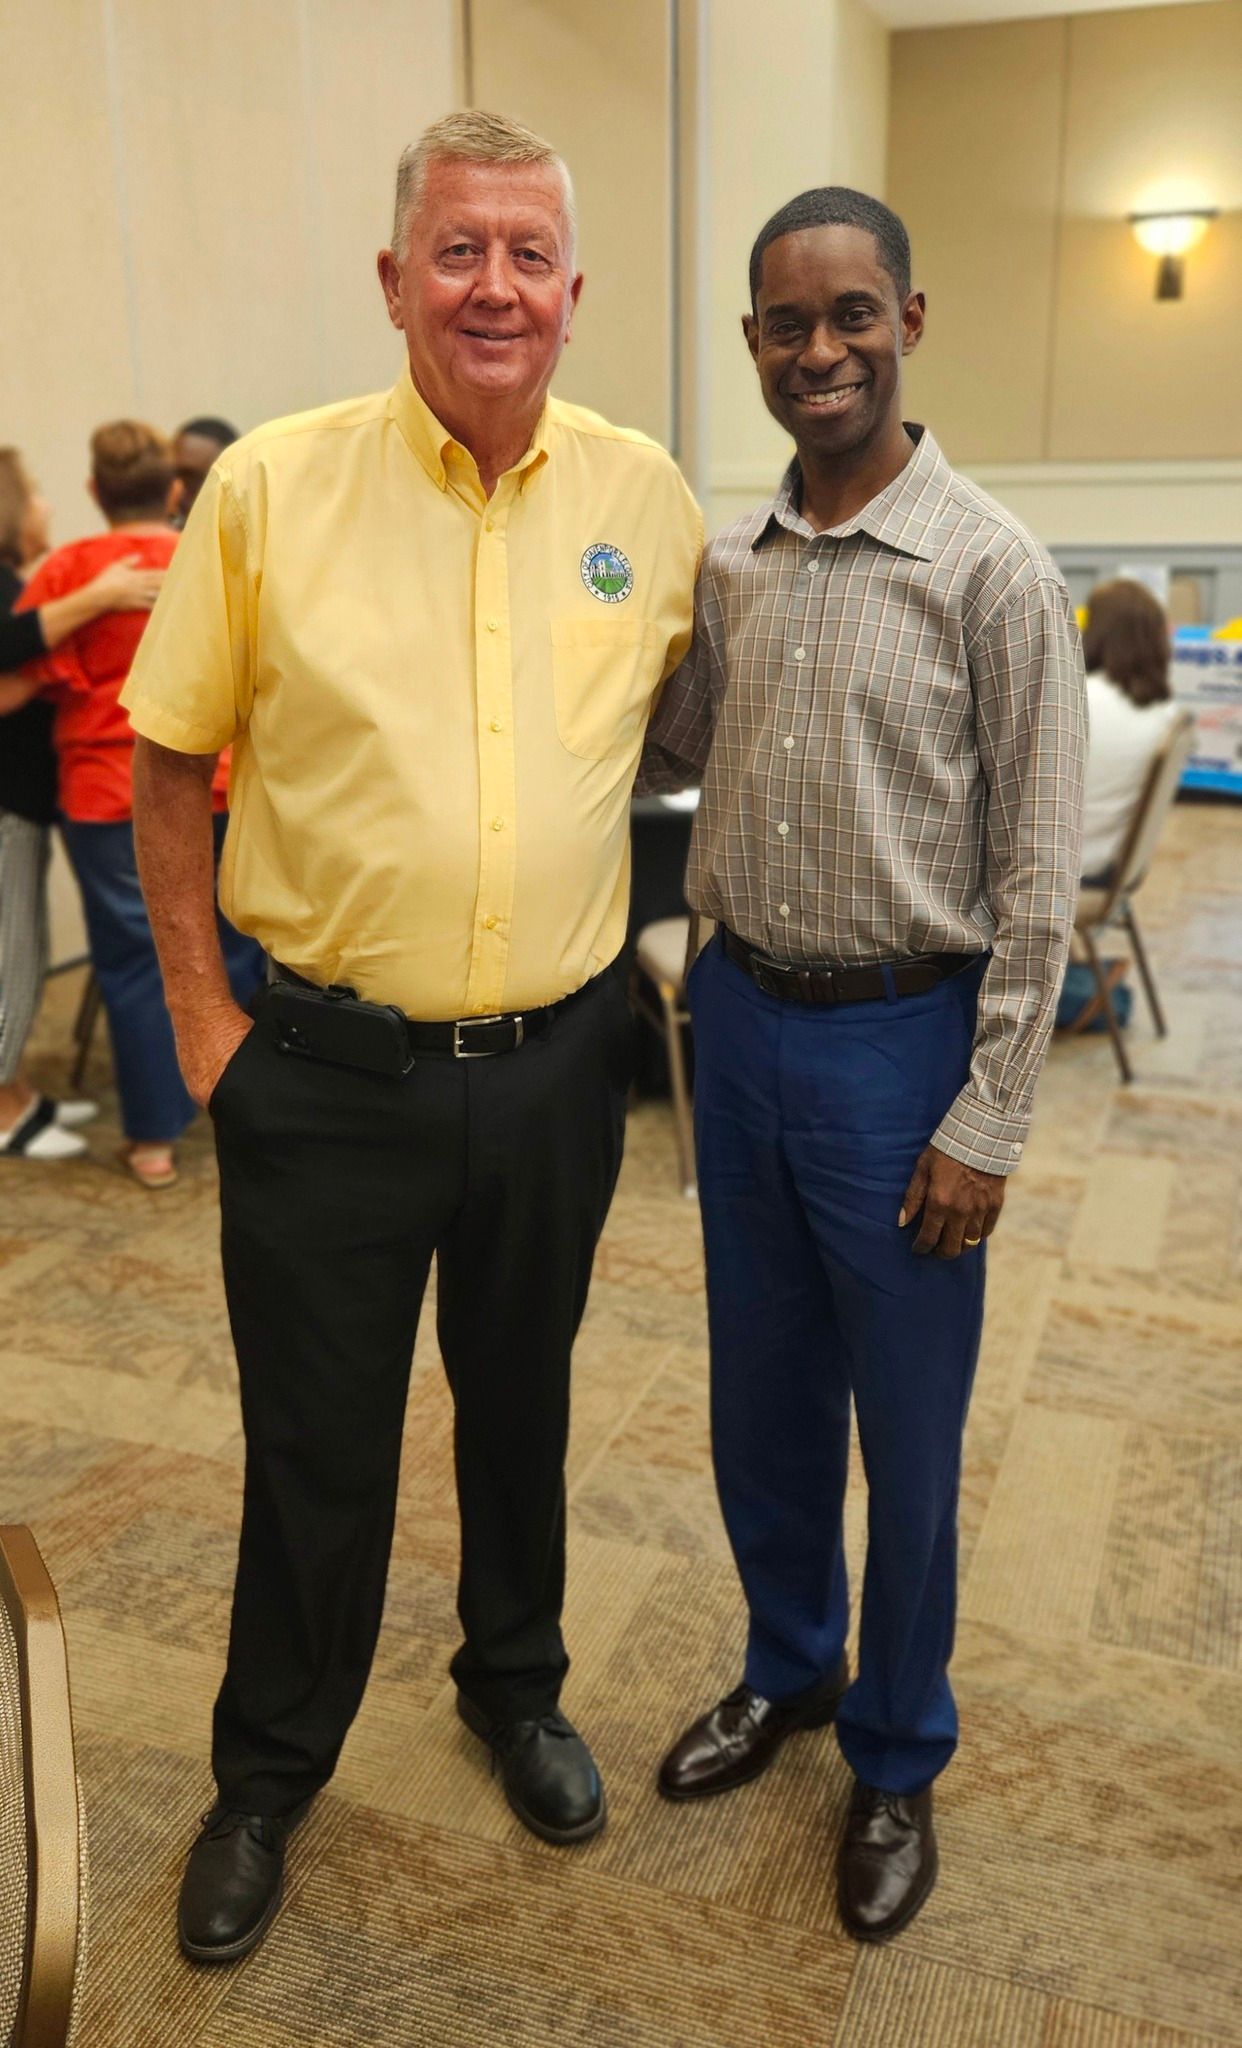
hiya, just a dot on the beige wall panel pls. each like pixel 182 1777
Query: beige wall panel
pixel 859 142
pixel 1153 118
pixel 218 208
pixel 974 146
pixel 1136 377
pixel 65 363
pixel 376 76
pixel 765 142
pixel 596 82
pixel 1155 110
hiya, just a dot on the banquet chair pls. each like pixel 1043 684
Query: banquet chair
pixel 662 955
pixel 40 1840
pixel 1111 903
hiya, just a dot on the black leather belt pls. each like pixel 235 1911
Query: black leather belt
pixel 470 1038
pixel 826 984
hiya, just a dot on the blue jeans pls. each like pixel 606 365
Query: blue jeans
pixel 809 1121
pixel 155 1103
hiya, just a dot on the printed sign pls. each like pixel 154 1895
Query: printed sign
pixel 1207 676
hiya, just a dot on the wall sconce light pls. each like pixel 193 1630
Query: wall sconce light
pixel 1169 236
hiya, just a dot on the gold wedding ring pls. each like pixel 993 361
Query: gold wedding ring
pixel 972 1240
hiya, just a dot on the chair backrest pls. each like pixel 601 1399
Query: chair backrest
pixel 39 1841
pixel 1138 848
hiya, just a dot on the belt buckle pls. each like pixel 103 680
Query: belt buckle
pixel 463 1052
pixel 772 976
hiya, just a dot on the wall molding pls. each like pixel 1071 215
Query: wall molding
pixel 751 476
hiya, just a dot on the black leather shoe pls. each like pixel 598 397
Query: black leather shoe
pixel 741 1735
pixel 231 1890
pixel 548 1773
pixel 888 1861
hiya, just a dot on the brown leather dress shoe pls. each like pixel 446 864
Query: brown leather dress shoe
pixel 739 1738
pixel 888 1861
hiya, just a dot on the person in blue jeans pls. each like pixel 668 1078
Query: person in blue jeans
pixel 156 1106
pixel 131 478
pixel 884 700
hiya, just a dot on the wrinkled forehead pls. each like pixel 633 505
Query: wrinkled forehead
pixel 507 199
pixel 821 265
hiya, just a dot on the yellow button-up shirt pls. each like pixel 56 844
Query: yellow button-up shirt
pixel 436 700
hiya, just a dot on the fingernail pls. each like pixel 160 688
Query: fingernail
pixel 901 1220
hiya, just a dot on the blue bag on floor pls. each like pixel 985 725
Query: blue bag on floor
pixel 1078 989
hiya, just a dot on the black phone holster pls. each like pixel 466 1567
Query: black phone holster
pixel 333 1024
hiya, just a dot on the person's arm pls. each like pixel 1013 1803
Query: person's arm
pixel 176 862
pixel 14 692
pixel 32 630
pixel 188 695
pixel 679 737
pixel 1030 704
pixel 124 586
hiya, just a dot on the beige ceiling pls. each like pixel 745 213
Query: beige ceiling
pixel 939 13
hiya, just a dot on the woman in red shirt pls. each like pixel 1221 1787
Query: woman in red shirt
pixel 131 475
pixel 32 1126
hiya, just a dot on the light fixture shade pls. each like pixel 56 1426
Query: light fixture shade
pixel 1171 234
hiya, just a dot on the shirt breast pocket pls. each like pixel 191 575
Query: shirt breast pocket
pixel 604 675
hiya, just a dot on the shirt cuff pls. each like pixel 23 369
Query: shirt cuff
pixel 168 729
pixel 985 1138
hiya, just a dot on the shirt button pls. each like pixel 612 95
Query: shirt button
pixel 783 829
pixel 784 910
pixel 497 726
pixel 799 654
pixel 489 923
pixel 812 565
pixel 489 525
pixel 492 625
pixel 1017 1151
pixel 498 824
pixel 788 746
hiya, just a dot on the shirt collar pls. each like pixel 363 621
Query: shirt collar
pixel 434 446
pixel 903 515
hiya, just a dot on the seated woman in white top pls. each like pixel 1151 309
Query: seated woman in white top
pixel 1129 708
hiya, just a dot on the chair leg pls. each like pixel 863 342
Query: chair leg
pixel 84 1028
pixel 1149 985
pixel 1114 1029
pixel 682 1117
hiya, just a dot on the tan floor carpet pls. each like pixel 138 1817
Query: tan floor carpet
pixel 1089 1829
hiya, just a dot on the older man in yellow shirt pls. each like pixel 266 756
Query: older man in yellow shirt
pixel 431 624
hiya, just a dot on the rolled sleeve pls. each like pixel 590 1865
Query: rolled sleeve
pixel 191 686
pixel 1030 697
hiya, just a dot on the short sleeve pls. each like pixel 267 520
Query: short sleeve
pixel 191 683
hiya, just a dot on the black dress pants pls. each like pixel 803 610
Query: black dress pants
pixel 336 1188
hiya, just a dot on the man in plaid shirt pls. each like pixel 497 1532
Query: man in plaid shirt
pixel 885 703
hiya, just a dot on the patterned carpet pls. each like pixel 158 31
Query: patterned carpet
pixel 1091 1863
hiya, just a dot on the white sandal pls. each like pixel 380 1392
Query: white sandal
pixel 38 1135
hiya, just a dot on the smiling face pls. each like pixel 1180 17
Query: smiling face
pixel 827 335
pixel 486 289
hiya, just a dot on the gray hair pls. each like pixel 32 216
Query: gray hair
pixel 475 137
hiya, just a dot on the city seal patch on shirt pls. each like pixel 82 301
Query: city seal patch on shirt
pixel 606 572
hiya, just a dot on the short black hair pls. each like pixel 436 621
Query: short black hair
pixel 211 430
pixel 837 206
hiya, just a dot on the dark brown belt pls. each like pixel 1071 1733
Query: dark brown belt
pixel 825 984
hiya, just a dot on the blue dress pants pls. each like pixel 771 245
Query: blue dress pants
pixel 809 1121
pixel 156 1106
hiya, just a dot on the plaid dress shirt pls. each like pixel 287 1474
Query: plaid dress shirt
pixel 889 722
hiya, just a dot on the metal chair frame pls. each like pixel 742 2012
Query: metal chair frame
pixel 670 1020
pixel 1129 871
pixel 53 1871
